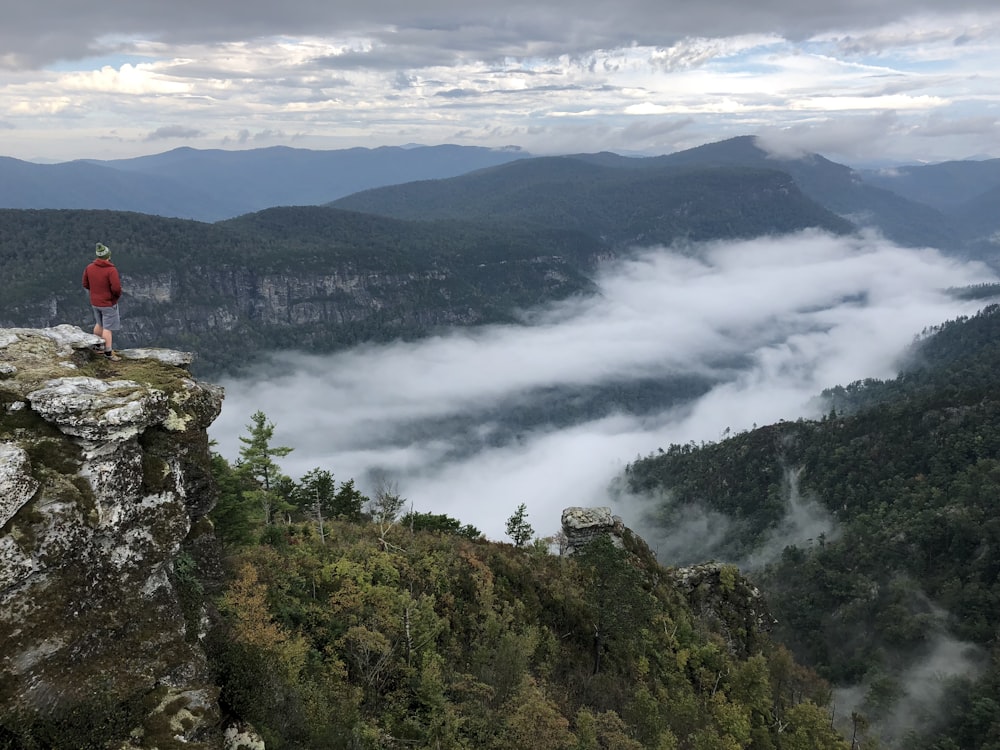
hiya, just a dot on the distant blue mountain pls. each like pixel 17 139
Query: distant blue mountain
pixel 945 186
pixel 210 185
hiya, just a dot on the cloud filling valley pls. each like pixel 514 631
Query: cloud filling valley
pixel 767 324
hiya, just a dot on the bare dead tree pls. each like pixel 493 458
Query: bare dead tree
pixel 385 506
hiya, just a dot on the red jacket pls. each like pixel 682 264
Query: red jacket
pixel 101 278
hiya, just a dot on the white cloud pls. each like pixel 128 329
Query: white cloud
pixel 551 77
pixel 797 313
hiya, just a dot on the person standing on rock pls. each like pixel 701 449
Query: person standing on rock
pixel 101 279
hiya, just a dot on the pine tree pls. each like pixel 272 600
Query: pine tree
pixel 316 493
pixel 257 462
pixel 518 527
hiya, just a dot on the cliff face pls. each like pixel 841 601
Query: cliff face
pixel 104 472
pixel 226 311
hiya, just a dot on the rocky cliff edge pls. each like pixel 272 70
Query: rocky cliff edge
pixel 104 473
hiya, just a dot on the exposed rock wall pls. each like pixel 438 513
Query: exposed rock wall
pixel 722 597
pixel 104 471
pixel 580 526
pixel 728 602
pixel 222 299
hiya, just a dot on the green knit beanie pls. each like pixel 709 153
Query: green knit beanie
pixel 103 251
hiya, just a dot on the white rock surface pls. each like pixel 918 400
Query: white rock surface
pixel 16 483
pixel 89 408
pixel 166 356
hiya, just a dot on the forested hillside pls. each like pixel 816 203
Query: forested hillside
pixel 305 278
pixel 346 623
pixel 577 190
pixel 908 568
pixel 625 205
pixel 320 278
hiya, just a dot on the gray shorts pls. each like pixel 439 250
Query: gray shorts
pixel 107 317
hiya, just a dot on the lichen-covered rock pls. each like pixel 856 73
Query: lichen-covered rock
pixel 16 483
pixel 166 356
pixel 104 468
pixel 95 409
pixel 242 737
pixel 728 602
pixel 580 526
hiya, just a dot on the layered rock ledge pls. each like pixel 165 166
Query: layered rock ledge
pixel 104 473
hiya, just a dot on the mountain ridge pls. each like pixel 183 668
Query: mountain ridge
pixel 211 185
pixel 837 188
pixel 319 277
pixel 944 205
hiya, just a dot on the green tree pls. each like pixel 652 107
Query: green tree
pixel 348 502
pixel 233 511
pixel 617 602
pixel 518 527
pixel 439 522
pixel 257 462
pixel 532 719
pixel 316 493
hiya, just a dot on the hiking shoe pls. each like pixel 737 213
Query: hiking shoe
pixel 98 347
pixel 112 357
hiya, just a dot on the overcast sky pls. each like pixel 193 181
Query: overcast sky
pixel 802 313
pixel 856 80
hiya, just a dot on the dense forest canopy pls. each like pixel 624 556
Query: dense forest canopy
pixel 351 623
pixel 909 472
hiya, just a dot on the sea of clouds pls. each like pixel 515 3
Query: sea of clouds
pixel 771 321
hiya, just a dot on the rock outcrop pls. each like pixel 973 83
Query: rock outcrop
pixel 728 602
pixel 580 526
pixel 722 597
pixel 104 473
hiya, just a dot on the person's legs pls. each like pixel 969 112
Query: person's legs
pixel 106 318
pixel 98 326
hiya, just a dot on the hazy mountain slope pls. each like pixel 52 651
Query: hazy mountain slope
pixel 837 188
pixel 908 564
pixel 980 217
pixel 575 190
pixel 968 192
pixel 93 186
pixel 209 185
pixel 943 186
pixel 624 205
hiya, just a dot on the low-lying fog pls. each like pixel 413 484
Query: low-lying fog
pixel 759 327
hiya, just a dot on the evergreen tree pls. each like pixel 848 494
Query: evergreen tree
pixel 518 527
pixel 348 502
pixel 232 514
pixel 316 494
pixel 257 462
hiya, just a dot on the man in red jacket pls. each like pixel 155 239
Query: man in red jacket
pixel 101 278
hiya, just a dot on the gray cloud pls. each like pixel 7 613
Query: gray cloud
pixel 173 131
pixel 860 136
pixel 49 29
pixel 938 126
pixel 776 305
pixel 458 93
pixel 553 77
